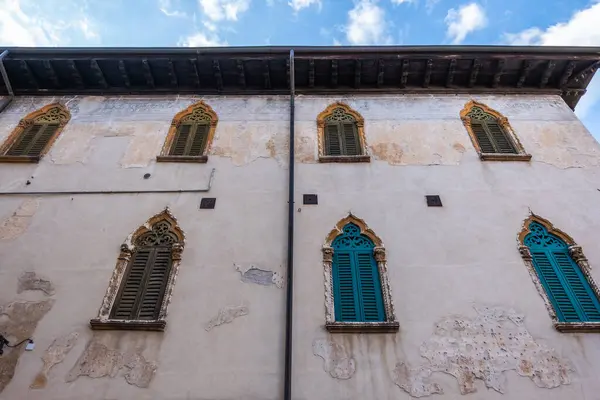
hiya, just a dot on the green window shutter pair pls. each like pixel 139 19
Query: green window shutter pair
pixel 492 138
pixel 143 290
pixel 32 140
pixel 341 139
pixel 190 140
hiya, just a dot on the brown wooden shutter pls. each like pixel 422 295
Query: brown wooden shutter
pixel 42 139
pixel 351 142
pixel 501 139
pixel 129 296
pixel 156 283
pixel 485 142
pixel 24 141
pixel 199 140
pixel 333 145
pixel 179 144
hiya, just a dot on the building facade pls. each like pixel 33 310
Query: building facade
pixel 143 235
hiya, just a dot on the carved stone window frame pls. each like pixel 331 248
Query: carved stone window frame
pixel 103 320
pixel 576 253
pixel 197 111
pixel 390 324
pixel 360 125
pixel 54 112
pixel 504 124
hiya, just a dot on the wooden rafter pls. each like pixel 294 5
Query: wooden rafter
pixel 564 79
pixel 527 64
pixel 334 73
pixel 172 73
pixel 124 74
pixel 194 72
pixel 95 67
pixel 474 72
pixel 241 73
pixel 147 73
pixel 357 73
pixel 29 74
pixel 75 74
pixel 427 74
pixel 51 73
pixel 311 73
pixel 404 73
pixel 218 75
pixel 451 71
pixel 499 72
pixel 380 72
pixel 547 73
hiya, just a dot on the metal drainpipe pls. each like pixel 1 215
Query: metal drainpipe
pixel 11 94
pixel 287 382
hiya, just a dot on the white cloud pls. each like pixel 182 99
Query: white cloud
pixel 202 39
pixel 468 18
pixel 430 5
pixel 218 10
pixel 367 24
pixel 298 5
pixel 583 29
pixel 167 8
pixel 403 1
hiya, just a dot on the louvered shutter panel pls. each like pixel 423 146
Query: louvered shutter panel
pixel 351 143
pixel 42 139
pixel 555 288
pixel 126 304
pixel 199 140
pixel 333 146
pixel 19 148
pixel 180 142
pixel 345 294
pixel 369 286
pixel 156 282
pixel 485 143
pixel 581 292
pixel 502 141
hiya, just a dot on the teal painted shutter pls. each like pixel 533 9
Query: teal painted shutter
pixel 502 143
pixel 22 144
pixel 369 287
pixel 179 144
pixel 333 145
pixel 199 140
pixel 485 143
pixel 345 292
pixel 351 145
pixel 583 297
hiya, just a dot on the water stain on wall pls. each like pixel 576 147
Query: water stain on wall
pixel 29 280
pixel 54 354
pixel 338 362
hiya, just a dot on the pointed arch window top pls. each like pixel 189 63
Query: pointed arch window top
pixel 35 134
pixel 341 135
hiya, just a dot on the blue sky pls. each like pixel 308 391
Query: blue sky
pixel 307 22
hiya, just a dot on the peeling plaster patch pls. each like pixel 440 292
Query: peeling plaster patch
pixel 226 315
pixel 30 281
pixel 305 150
pixel 337 362
pixel 259 276
pixel 15 225
pixel 459 147
pixel 18 321
pixel 53 355
pixel 390 152
pixel 484 348
pixel 144 145
pixel 98 361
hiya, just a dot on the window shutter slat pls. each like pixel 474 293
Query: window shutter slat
pixel 19 148
pixel 333 147
pixel 548 272
pixel 581 292
pixel 126 304
pixel 181 138
pixel 345 293
pixel 370 287
pixel 156 283
pixel 41 140
pixel 351 141
pixel 199 140
pixel 501 139
pixel 485 142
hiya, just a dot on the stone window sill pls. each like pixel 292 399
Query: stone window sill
pixel 20 159
pixel 128 325
pixel 504 157
pixel 186 159
pixel 344 159
pixel 577 326
pixel 362 327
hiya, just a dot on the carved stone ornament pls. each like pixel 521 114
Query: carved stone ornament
pixel 576 253
pixel 340 112
pixel 161 229
pixel 474 110
pixel 390 324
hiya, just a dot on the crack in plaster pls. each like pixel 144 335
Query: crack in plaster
pixel 252 274
pixel 54 354
pixel 484 348
pixel 29 280
pixel 337 361
pixel 226 315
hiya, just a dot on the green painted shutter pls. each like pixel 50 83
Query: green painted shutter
pixel 345 293
pixel 369 287
pixel 42 139
pixel 180 141
pixel 333 145
pixel 24 141
pixel 127 301
pixel 351 145
pixel 581 293
pixel 199 140
pixel 156 283
pixel 502 143
pixel 485 143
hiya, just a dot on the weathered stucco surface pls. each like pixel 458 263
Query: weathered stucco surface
pixel 252 274
pixel 226 315
pixel 15 225
pixel 53 355
pixel 29 280
pixel 336 360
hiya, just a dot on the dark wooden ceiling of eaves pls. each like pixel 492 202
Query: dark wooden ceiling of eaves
pixel 239 73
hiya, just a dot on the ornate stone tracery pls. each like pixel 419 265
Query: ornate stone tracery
pixel 162 229
pixel 390 324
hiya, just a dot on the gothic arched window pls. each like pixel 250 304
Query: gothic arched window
pixel 341 135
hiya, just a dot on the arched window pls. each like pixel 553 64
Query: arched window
pixel 341 135
pixel 491 134
pixel 560 269
pixel 141 285
pixel 34 135
pixel 190 135
pixel 358 296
